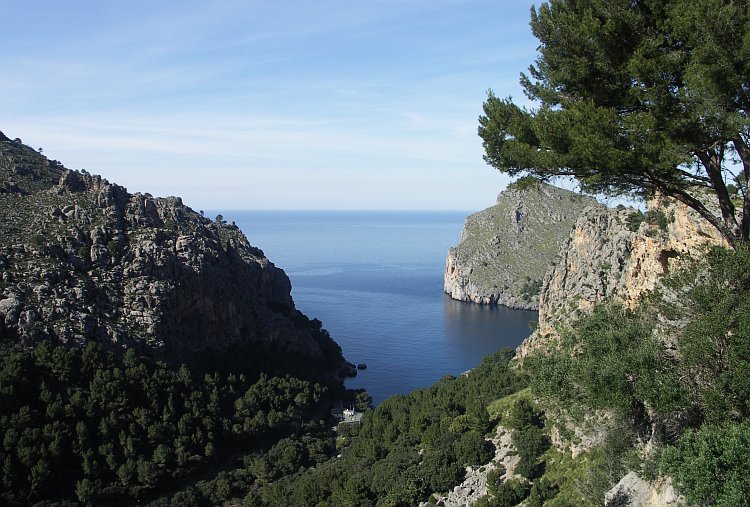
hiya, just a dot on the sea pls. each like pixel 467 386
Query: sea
pixel 375 280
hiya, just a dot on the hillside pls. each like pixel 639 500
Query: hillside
pixel 505 249
pixel 83 259
pixel 144 348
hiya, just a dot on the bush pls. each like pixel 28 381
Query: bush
pixel 495 479
pixel 657 218
pixel 523 414
pixel 715 345
pixel 618 365
pixel 531 443
pixel 524 183
pixel 634 220
pixel 541 491
pixel 473 449
pixel 710 466
pixel 512 492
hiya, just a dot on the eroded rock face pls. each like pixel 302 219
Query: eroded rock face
pixel 632 491
pixel 82 259
pixel 505 249
pixel 611 256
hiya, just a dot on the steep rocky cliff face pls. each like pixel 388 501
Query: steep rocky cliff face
pixel 505 250
pixel 617 254
pixel 82 259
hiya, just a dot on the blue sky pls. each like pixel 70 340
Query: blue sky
pixel 267 105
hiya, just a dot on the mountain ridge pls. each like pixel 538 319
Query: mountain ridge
pixel 85 259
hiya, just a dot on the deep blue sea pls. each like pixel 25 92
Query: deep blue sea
pixel 375 280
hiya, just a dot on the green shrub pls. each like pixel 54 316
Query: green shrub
pixel 524 183
pixel 542 490
pixel 523 414
pixel 472 449
pixel 618 365
pixel 495 479
pixel 531 443
pixel 658 218
pixel 715 344
pixel 512 492
pixel 710 466
pixel 634 220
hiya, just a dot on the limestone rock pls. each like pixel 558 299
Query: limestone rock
pixel 83 259
pixel 611 256
pixel 632 491
pixel 505 249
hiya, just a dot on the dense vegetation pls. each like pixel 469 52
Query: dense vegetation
pixel 86 425
pixel 406 448
pixel 674 373
pixel 103 428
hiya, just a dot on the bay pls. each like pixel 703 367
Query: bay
pixel 375 280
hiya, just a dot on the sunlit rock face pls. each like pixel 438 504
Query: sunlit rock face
pixel 506 249
pixel 611 255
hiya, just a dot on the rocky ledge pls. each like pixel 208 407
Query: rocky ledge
pixel 506 249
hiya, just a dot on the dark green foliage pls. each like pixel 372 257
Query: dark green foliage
pixel 531 287
pixel 634 220
pixel 634 97
pixel 617 364
pixel 709 462
pixel 522 414
pixel 495 479
pixel 711 466
pixel 89 425
pixel 524 183
pixel 472 448
pixel 531 443
pixel 409 446
pixel 528 437
pixel 511 492
pixel 715 345
pixel 658 218
pixel 541 491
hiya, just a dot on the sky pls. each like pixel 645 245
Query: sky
pixel 267 105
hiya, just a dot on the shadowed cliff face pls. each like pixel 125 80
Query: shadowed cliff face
pixel 82 259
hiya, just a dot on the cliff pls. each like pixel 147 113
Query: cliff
pixel 506 249
pixel 617 254
pixel 83 259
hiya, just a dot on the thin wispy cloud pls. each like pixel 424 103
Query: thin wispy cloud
pixel 176 98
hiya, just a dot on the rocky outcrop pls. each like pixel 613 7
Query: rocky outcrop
pixel 617 254
pixel 505 249
pixel 632 491
pixel 474 485
pixel 82 259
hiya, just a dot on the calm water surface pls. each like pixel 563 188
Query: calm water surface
pixel 375 279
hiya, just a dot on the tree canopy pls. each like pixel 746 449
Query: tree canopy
pixel 636 97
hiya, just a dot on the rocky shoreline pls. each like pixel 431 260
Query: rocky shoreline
pixel 506 249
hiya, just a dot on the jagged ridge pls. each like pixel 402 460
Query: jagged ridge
pixel 82 259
